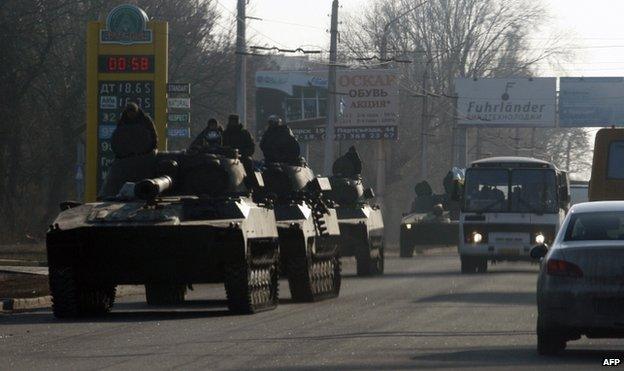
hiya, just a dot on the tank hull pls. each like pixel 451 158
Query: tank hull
pixel 417 235
pixel 170 244
pixel 309 258
pixel 361 232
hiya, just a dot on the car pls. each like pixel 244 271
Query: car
pixel 580 289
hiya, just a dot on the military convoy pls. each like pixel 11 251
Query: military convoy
pixel 166 220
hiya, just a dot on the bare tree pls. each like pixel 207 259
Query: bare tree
pixel 443 40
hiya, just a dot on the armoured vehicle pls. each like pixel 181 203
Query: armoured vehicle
pixel 166 220
pixel 308 230
pixel 421 227
pixel 361 224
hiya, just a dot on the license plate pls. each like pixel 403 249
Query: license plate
pixel 508 251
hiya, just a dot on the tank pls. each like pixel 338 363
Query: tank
pixel 421 229
pixel 361 224
pixel 166 220
pixel 308 230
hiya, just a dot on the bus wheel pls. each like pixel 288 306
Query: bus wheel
pixel 469 264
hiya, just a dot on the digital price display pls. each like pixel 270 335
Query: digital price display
pixel 126 64
pixel 112 99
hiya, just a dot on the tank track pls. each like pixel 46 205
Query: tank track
pixel 366 264
pixel 251 289
pixel 70 300
pixel 312 280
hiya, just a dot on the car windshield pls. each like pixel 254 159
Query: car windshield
pixel 533 191
pixel 486 190
pixel 599 226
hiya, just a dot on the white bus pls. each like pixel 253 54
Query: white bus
pixel 509 204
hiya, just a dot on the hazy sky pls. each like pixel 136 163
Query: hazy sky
pixel 595 27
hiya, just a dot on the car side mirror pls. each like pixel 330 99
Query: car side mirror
pixel 539 251
pixel 369 194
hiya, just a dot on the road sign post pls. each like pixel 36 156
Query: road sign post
pixel 126 62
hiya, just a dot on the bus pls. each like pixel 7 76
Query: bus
pixel 509 205
pixel 607 175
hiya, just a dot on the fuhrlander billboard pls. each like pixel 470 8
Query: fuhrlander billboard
pixel 506 102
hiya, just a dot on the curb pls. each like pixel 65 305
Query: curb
pixel 13 305
pixel 43 302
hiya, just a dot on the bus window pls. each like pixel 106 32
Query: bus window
pixel 615 167
pixel 533 191
pixel 486 190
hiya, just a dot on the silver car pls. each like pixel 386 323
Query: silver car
pixel 580 290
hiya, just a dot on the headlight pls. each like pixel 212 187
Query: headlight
pixel 408 226
pixel 539 239
pixel 477 237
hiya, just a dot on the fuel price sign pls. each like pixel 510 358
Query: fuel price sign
pixel 126 62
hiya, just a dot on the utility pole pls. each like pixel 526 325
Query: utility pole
pixel 424 126
pixel 241 62
pixel 331 86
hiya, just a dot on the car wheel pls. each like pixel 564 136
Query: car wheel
pixel 550 341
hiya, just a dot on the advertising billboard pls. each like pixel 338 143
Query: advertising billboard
pixel 367 102
pixel 513 102
pixel 591 101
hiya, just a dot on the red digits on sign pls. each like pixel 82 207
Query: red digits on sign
pixel 112 64
pixel 121 63
pixel 135 63
pixel 144 64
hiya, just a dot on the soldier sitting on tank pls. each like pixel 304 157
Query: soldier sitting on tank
pixel 237 137
pixel 278 144
pixel 424 201
pixel 210 138
pixel 348 165
pixel 135 133
pixel 436 215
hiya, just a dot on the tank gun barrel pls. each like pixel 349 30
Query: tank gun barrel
pixel 148 189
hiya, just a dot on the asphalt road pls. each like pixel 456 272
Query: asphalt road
pixel 421 314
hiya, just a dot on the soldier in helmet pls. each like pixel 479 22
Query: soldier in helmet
pixel 424 200
pixel 278 144
pixel 211 136
pixel 348 165
pixel 135 133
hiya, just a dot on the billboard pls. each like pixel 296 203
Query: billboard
pixel 513 102
pixel 367 102
pixel 591 101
